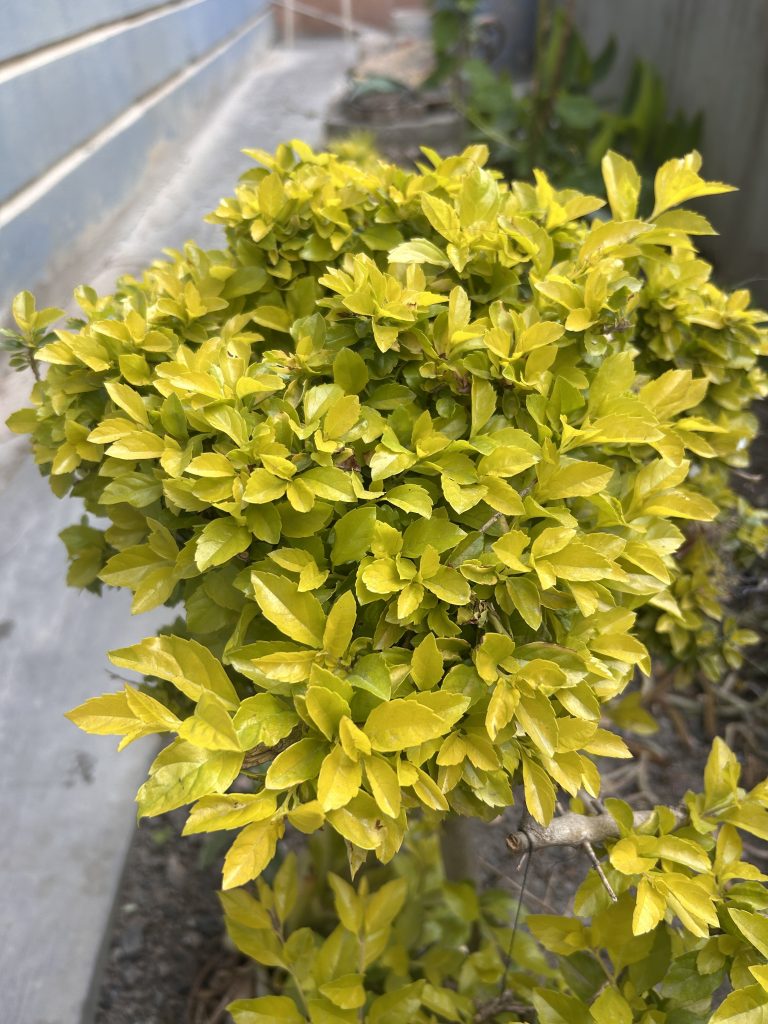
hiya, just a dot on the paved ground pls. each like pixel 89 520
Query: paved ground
pixel 66 800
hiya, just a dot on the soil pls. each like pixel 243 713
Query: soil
pixel 167 929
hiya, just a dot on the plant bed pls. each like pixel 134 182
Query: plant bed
pixel 170 960
pixel 167 928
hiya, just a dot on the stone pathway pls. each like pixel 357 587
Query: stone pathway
pixel 66 799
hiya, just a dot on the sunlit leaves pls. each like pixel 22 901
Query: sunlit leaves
pixel 250 853
pixel 407 453
pixel 185 663
pixel 299 616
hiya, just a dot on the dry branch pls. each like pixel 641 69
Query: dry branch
pixel 577 829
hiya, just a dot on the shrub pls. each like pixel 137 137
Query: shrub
pixel 410 454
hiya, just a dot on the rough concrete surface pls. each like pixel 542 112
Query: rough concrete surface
pixel 66 800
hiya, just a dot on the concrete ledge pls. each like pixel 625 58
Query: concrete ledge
pixel 25 27
pixel 95 181
pixel 56 106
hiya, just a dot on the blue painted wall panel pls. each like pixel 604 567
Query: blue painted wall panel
pixel 30 244
pixel 27 25
pixel 49 111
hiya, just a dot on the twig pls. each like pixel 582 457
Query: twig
pixel 590 852
pixel 575 829
pixel 487 525
pixel 530 895
pixel 528 859
pixel 505 1003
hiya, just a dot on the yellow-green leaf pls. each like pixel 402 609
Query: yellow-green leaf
pixel 250 853
pixel 338 781
pixel 297 615
pixel 301 761
pixel 185 663
pixel 219 541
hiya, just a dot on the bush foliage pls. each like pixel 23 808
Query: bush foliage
pixel 414 456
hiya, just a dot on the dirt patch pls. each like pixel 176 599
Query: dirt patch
pixel 168 927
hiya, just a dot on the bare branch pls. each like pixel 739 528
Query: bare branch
pixel 505 1003
pixel 577 829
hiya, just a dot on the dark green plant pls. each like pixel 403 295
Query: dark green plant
pixel 557 122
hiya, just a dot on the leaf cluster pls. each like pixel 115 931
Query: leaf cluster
pixel 409 482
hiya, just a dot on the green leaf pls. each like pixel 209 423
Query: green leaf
pixel 557 1008
pixel 538 721
pixel 650 908
pixel 337 635
pixel 187 664
pixel 419 250
pixel 358 822
pixel 210 727
pixel 399 724
pixel 427 663
pixel 219 541
pixel 345 991
pixel 483 403
pixel 411 498
pixel 228 811
pixel 250 853
pixel 183 773
pixel 571 479
pixel 339 780
pixel 678 181
pixel 350 371
pixel 297 615
pixel 129 401
pixel 384 785
pixel 539 335
pixel 754 928
pixel 107 715
pixel 539 792
pixel 326 709
pixel 622 185
pixel 266 1010
pixel 744 1006
pixel 264 720
pixel 611 1007
pixel 449 585
pixel 263 487
pixel 353 534
pixel 440 534
pixel 301 761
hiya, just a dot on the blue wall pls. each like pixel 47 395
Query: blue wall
pixel 88 90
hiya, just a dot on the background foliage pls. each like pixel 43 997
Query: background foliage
pixel 557 121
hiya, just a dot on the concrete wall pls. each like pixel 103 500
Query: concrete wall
pixel 712 56
pixel 92 94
